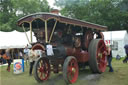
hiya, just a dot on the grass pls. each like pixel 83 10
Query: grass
pixel 118 77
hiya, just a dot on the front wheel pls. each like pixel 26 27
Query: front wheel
pixel 42 69
pixel 70 70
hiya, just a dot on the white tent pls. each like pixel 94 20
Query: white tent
pixel 118 39
pixel 14 39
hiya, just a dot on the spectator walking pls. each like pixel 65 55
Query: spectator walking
pixel 126 51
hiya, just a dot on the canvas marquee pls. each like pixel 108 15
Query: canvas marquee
pixel 117 40
pixel 14 39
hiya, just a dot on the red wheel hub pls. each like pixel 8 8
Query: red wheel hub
pixel 43 69
pixel 72 71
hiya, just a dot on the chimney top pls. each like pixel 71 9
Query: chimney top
pixel 55 11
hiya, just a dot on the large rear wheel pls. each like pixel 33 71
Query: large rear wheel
pixel 70 70
pixel 97 57
pixel 42 69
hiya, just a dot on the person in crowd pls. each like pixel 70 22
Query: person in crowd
pixel 1 62
pixel 109 58
pixel 16 54
pixel 8 58
pixel 126 51
pixel 32 57
pixel 21 54
pixel 26 51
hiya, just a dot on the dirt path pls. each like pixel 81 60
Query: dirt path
pixel 92 78
pixel 85 78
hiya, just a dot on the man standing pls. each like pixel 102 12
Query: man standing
pixel 32 57
pixel 26 50
pixel 8 58
pixel 109 58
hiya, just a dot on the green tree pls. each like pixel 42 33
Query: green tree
pixel 5 14
pixel 104 12
pixel 12 10
pixel 123 5
pixel 26 7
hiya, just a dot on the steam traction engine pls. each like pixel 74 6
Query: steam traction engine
pixel 66 45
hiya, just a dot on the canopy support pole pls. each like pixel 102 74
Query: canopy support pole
pixel 46 32
pixel 30 31
pixel 52 31
pixel 25 34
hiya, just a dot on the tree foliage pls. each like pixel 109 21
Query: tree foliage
pixel 111 13
pixel 12 10
pixel 104 12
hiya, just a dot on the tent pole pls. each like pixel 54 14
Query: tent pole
pixel 18 53
pixel 13 53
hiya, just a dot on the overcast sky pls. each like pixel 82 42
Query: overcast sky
pixel 51 2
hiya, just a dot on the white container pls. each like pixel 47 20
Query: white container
pixel 18 66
